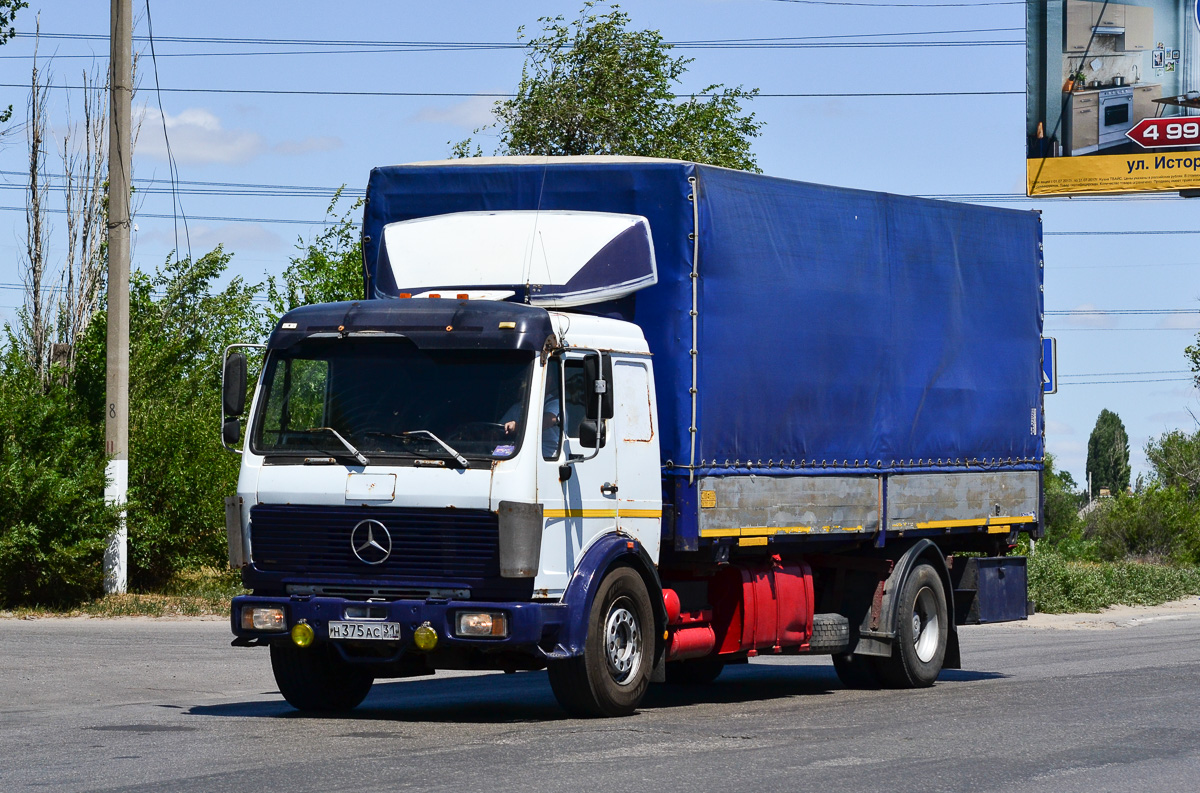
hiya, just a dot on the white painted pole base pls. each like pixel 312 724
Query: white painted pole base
pixel 116 555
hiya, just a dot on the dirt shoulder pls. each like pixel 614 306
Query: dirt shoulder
pixel 1117 616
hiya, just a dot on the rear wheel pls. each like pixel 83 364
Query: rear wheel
pixel 317 679
pixel 922 630
pixel 612 674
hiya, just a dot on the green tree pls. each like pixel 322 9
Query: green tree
pixel 8 14
pixel 53 518
pixel 179 474
pixel 1175 457
pixel 597 87
pixel 328 269
pixel 1108 454
pixel 1062 502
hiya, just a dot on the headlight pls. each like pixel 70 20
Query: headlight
pixel 257 618
pixel 482 623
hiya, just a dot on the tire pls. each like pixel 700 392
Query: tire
pixel 922 631
pixel 695 672
pixel 856 671
pixel 317 679
pixel 612 674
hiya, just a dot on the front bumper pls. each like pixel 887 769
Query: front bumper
pixel 533 628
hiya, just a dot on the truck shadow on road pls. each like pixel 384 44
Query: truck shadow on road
pixel 526 696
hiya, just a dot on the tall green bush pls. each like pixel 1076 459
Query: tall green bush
pixel 53 520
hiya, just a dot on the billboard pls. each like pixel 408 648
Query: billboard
pixel 1113 96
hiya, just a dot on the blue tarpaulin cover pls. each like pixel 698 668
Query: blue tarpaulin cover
pixel 838 330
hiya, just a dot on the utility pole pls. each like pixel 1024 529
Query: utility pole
pixel 116 409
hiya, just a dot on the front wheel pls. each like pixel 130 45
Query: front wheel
pixel 922 631
pixel 612 674
pixel 316 678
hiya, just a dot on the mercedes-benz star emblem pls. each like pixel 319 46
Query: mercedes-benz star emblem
pixel 371 542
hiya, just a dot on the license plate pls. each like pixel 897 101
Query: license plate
pixel 378 631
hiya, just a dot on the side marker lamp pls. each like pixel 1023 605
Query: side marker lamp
pixel 425 638
pixel 302 634
pixel 481 624
pixel 257 618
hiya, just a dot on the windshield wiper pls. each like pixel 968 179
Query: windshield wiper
pixel 461 460
pixel 349 446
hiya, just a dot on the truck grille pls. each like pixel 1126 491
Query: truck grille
pixel 427 544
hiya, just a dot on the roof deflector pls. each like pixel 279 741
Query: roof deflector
pixel 555 258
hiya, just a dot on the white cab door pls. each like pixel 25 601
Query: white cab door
pixel 583 506
pixel 635 420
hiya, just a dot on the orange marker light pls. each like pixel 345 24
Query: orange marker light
pixel 464 296
pixel 434 294
pixel 406 294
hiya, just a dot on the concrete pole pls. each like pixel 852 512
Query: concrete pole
pixel 116 410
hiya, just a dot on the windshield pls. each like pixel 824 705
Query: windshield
pixel 390 399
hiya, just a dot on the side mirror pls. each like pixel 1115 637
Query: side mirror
pixel 231 431
pixel 597 375
pixel 233 386
pixel 592 433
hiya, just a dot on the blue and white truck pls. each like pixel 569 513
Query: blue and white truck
pixel 631 420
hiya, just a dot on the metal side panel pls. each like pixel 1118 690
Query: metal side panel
pixel 761 506
pixel 920 501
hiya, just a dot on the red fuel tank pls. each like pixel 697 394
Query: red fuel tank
pixel 762 607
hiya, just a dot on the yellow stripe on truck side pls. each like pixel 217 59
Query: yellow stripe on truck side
pixel 989 522
pixel 602 513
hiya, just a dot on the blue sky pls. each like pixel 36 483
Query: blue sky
pixel 954 145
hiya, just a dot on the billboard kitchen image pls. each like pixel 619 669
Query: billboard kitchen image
pixel 1113 97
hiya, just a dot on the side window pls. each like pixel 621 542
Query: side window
pixel 575 397
pixel 552 410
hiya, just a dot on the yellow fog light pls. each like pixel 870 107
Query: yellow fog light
pixel 302 634
pixel 425 638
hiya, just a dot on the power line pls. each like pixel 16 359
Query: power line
pixel 902 5
pixel 1129 382
pixel 1100 312
pixel 1124 374
pixel 423 46
pixel 210 218
pixel 486 94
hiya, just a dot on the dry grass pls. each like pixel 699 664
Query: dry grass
pixel 194 593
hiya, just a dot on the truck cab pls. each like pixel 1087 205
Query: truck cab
pixel 443 466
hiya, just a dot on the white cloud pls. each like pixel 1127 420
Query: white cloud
pixel 234 236
pixel 308 145
pixel 473 112
pixel 1181 321
pixel 1091 320
pixel 197 138
pixel 1173 418
pixel 1059 428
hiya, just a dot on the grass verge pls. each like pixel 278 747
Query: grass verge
pixel 191 593
pixel 1058 584
pixel 1063 586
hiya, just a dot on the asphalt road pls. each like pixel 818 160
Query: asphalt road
pixel 157 705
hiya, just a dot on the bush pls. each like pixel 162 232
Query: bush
pixel 1159 524
pixel 54 523
pixel 179 474
pixel 1061 585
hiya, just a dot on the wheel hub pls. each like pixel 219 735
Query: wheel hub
pixel 925 624
pixel 622 644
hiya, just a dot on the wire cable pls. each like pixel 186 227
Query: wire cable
pixel 172 166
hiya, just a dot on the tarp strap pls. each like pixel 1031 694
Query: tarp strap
pixel 695 199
